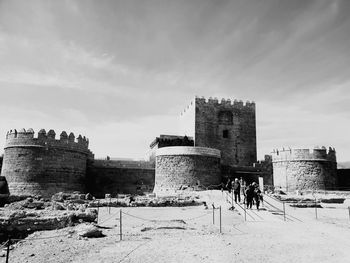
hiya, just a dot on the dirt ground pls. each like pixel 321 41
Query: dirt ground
pixel 187 234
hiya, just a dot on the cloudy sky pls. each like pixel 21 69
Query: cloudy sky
pixel 120 72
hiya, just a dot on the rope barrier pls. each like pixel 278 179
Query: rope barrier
pixel 278 209
pixel 39 238
pixel 108 218
pixel 247 211
pixel 4 245
pixel 155 220
pixel 193 218
pixel 144 219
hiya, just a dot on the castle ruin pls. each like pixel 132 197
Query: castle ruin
pixel 305 169
pixel 180 167
pixel 218 142
pixel 228 126
pixel 44 165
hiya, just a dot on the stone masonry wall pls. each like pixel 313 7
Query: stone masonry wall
pixel 44 165
pixel 304 169
pixel 179 167
pixel 227 126
pixel 119 177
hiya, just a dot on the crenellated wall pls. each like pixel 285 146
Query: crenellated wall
pixel 305 169
pixel 229 126
pixel 180 166
pixel 44 165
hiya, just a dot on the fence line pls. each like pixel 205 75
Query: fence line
pixel 155 220
pixel 9 241
pixel 250 213
pixel 4 245
pixel 140 218
pixel 193 218
pixel 288 216
pixel 38 238
pixel 108 218
pixel 317 211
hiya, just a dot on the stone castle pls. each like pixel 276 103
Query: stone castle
pixel 228 126
pixel 218 142
pixel 297 169
pixel 44 165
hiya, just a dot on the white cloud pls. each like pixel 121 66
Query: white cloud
pixel 76 66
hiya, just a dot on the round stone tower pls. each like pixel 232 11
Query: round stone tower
pixel 179 167
pixel 44 165
pixel 304 169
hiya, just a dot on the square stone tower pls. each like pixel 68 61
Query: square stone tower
pixel 227 126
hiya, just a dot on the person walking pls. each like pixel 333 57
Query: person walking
pixel 237 190
pixel 257 194
pixel 228 185
pixel 243 189
pixel 249 192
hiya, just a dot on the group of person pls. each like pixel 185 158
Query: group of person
pixel 251 192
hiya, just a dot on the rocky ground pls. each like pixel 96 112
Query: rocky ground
pixel 187 234
pixel 24 215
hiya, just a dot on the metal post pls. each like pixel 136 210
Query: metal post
pixel 220 220
pixel 349 212
pixel 8 249
pixel 98 209
pixel 316 208
pixel 120 227
pixel 232 198
pixel 284 212
pixel 213 215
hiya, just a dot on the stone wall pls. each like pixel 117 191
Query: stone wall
pixel 304 169
pixel 119 177
pixel 44 165
pixel 181 167
pixel 227 126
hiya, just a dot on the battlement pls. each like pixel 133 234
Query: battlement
pixel 26 138
pixel 314 154
pixel 227 103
